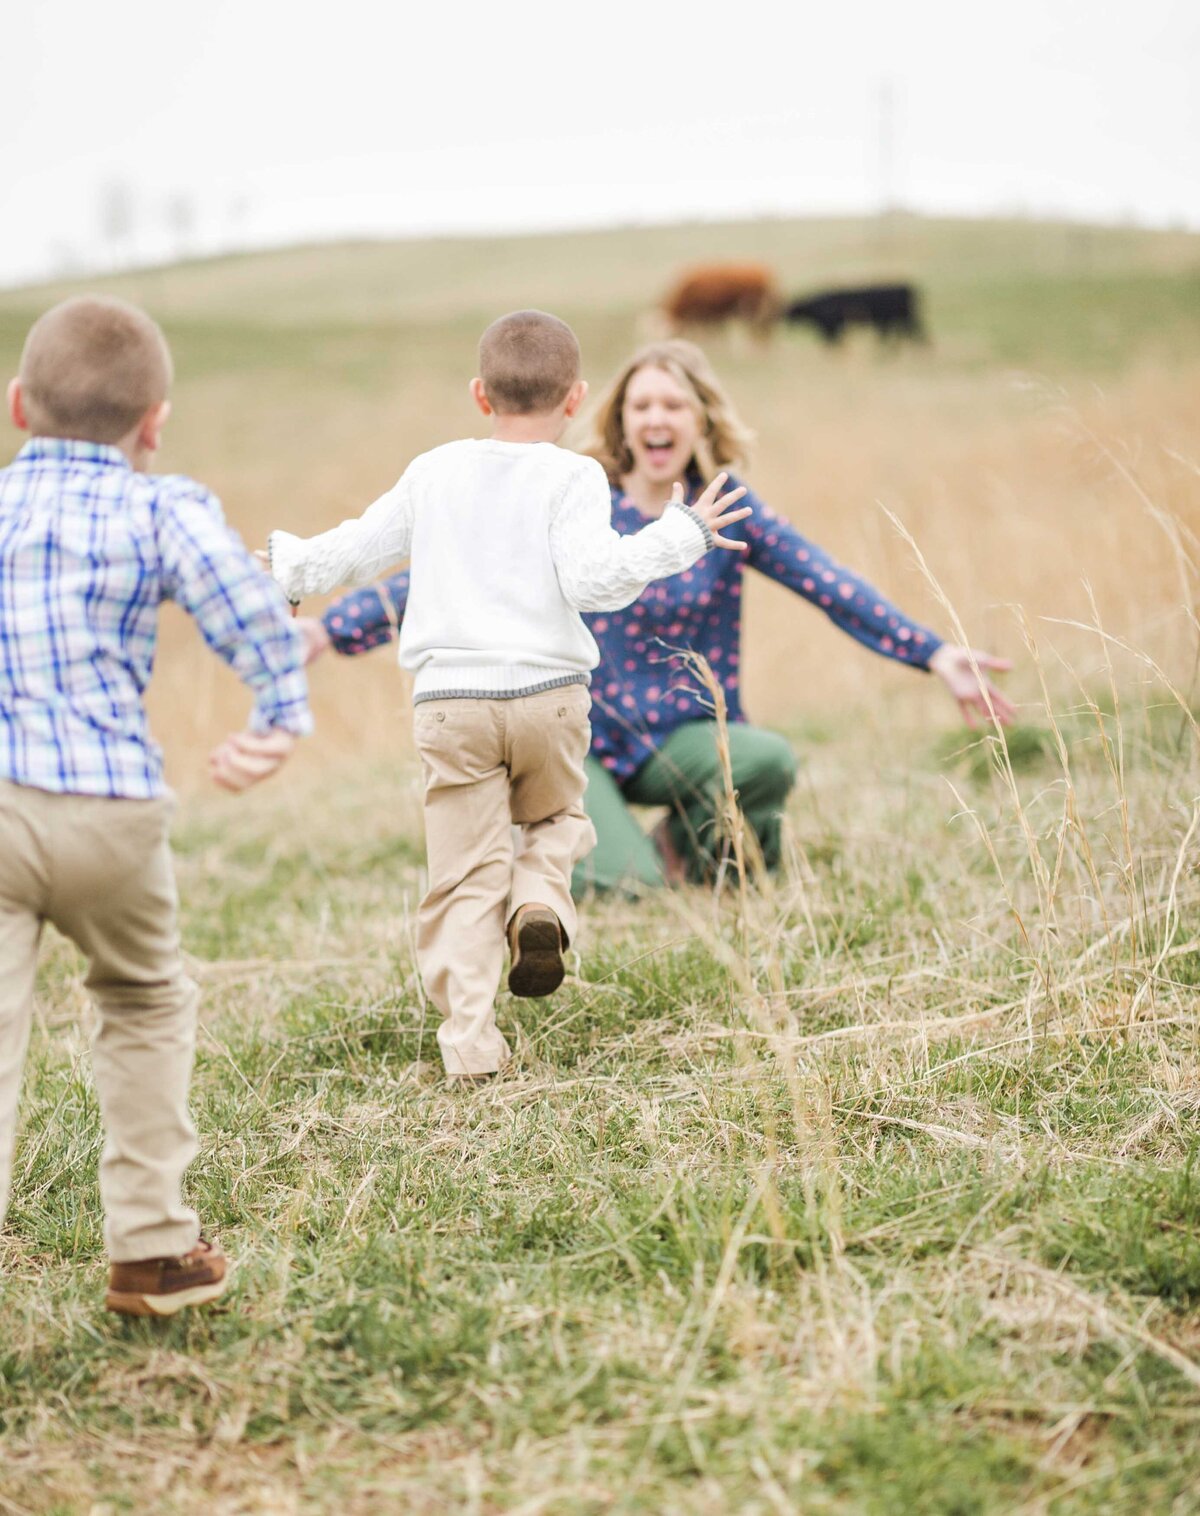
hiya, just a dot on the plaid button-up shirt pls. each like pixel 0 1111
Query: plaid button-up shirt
pixel 89 549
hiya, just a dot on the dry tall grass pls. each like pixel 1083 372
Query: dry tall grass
pixel 1029 501
pixel 1021 451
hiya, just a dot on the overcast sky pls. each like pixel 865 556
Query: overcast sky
pixel 262 126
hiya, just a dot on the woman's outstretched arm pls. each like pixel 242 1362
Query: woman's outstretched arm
pixel 357 622
pixel 778 550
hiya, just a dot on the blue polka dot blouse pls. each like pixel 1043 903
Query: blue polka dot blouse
pixel 643 688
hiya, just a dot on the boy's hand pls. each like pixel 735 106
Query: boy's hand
pixel 713 508
pixel 244 759
pixel 957 668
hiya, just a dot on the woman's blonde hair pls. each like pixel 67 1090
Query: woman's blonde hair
pixel 724 439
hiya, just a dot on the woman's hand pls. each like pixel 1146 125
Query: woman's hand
pixel 713 509
pixel 960 670
pixel 314 636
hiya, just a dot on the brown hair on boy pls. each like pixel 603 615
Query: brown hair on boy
pixel 91 369
pixel 528 362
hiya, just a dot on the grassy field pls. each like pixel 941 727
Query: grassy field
pixel 873 1188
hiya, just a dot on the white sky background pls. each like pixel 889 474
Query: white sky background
pixel 365 120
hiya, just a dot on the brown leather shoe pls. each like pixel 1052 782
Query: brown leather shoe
pixel 162 1286
pixel 535 937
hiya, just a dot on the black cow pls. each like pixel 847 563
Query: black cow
pixel 892 309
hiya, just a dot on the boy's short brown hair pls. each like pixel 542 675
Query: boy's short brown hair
pixel 91 369
pixel 528 362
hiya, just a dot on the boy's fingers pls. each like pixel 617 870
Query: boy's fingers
pixel 733 495
pixel 227 762
pixel 228 774
pixel 261 751
pixel 712 490
pixel 731 516
pixel 246 757
pixel 711 510
pixel 240 774
pixel 731 543
pixel 276 741
pixel 249 763
pixel 231 779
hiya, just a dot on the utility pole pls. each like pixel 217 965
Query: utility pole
pixel 885 102
pixel 886 106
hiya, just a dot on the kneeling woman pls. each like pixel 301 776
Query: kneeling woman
pixel 665 417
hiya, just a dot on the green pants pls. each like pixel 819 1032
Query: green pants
pixel 685 775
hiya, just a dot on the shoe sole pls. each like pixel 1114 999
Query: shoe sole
pixel 539 968
pixel 137 1304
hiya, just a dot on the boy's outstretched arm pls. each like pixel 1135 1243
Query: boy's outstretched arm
pixel 209 573
pixel 600 570
pixel 355 552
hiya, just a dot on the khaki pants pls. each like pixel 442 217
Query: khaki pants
pixel 489 765
pixel 100 871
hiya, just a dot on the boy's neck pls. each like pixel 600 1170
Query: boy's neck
pixel 135 451
pixel 541 427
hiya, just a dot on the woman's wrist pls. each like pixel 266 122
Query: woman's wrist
pixel 937 661
pixel 361 621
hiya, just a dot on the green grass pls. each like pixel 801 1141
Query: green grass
pixel 865 1199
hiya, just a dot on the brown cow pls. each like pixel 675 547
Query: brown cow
pixel 718 292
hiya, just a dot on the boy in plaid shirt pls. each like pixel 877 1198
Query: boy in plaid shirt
pixel 90 545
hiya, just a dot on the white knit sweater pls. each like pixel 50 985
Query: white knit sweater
pixel 509 541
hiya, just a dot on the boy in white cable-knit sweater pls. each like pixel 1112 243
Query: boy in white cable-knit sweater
pixel 510 539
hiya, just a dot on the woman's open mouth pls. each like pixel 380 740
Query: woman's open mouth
pixel 659 450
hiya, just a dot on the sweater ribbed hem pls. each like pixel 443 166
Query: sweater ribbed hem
pixel 282 570
pixel 697 520
pixel 458 693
